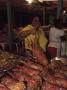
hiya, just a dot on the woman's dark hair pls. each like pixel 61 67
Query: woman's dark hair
pixel 58 23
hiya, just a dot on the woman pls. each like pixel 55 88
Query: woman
pixel 35 41
pixel 55 34
pixel 34 34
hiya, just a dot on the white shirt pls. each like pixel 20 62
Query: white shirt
pixel 55 34
pixel 54 38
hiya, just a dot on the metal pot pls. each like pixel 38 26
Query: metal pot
pixel 62 59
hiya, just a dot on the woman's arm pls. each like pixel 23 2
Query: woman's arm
pixel 23 34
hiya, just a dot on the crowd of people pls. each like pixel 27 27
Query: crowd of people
pixel 34 35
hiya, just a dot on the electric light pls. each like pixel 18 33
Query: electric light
pixel 29 1
pixel 64 11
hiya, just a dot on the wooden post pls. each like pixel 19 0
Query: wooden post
pixel 9 25
pixel 59 8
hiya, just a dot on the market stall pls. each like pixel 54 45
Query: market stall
pixel 34 72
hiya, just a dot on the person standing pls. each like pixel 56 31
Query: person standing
pixel 35 41
pixel 33 33
pixel 55 34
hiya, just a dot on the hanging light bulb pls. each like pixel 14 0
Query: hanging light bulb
pixel 29 1
pixel 64 11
